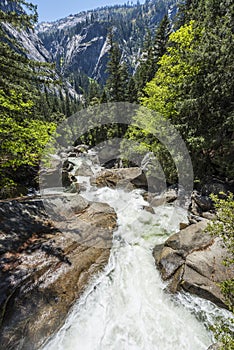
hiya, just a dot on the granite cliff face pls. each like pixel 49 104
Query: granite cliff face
pixel 28 39
pixel 79 43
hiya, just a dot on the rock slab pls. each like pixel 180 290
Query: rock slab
pixel 193 260
pixel 44 271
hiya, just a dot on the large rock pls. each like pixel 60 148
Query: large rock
pixel 133 177
pixel 77 203
pixel 123 177
pixel 168 196
pixel 43 271
pixel 200 203
pixel 193 260
pixel 84 170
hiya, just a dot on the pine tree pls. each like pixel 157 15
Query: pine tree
pixel 94 93
pixel 161 39
pixel 118 76
pixel 153 50
pixel 132 91
pixel 143 72
pixel 22 134
pixel 183 15
pixel 194 87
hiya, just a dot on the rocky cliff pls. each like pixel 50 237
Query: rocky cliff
pixel 78 43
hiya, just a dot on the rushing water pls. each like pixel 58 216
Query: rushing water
pixel 126 307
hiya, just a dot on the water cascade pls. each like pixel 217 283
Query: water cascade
pixel 126 306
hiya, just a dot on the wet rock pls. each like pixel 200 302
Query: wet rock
pixel 135 176
pixel 174 284
pixel 84 170
pixel 149 209
pixel 117 177
pixel 167 197
pixel 157 252
pixel 204 270
pixel 77 203
pixel 169 262
pixel 203 202
pixel 100 215
pixel 189 239
pixel 193 260
pixel 44 270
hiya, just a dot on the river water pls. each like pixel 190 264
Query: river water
pixel 126 306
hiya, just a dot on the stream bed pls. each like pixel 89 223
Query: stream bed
pixel 126 307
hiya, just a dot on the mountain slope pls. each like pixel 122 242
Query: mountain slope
pixel 79 43
pixel 27 38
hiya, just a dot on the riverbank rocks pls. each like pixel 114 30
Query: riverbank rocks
pixel 84 170
pixel 128 178
pixel 123 177
pixel 200 204
pixel 43 271
pixel 193 260
pixel 154 200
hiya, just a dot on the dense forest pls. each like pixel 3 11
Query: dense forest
pixel 33 99
pixel 185 73
pixel 193 86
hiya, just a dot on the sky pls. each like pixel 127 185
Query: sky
pixel 51 10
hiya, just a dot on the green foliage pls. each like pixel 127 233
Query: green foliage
pixel 153 50
pixel 194 86
pixel 162 93
pixel 165 89
pixel 223 227
pixel 224 334
pixel 118 75
pixel 22 143
pixel 23 132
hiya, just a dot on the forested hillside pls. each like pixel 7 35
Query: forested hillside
pixel 79 43
pixel 193 88
pixel 182 69
pixel 32 100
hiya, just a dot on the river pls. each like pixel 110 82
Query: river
pixel 126 306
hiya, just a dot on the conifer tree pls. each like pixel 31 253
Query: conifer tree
pixel 22 133
pixel 194 87
pixel 152 52
pixel 117 73
pixel 161 39
pixel 132 91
